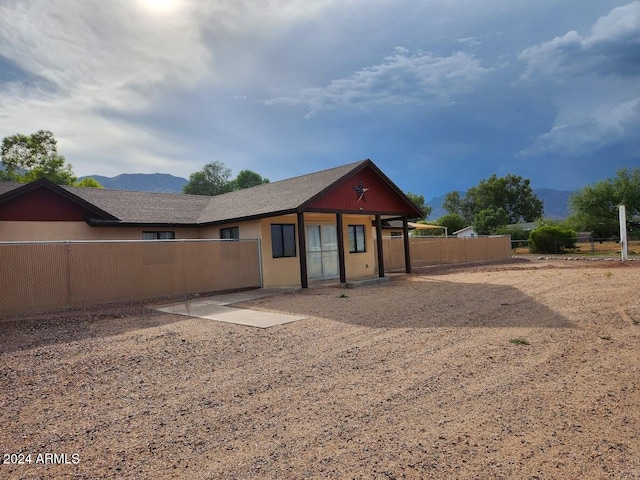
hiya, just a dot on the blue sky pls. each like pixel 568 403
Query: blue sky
pixel 438 93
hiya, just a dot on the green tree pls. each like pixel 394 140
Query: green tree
pixel 88 182
pixel 595 207
pixel 29 157
pixel 213 179
pixel 487 221
pixel 453 203
pixel 511 193
pixel 419 202
pixel 247 179
pixel 453 222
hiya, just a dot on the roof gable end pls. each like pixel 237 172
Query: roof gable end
pixel 43 200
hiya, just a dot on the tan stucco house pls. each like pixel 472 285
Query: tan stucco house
pixel 310 227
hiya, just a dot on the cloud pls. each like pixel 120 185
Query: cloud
pixel 423 78
pixel 612 48
pixel 595 80
pixel 580 136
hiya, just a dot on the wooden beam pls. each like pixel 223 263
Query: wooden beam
pixel 341 261
pixel 379 245
pixel 407 252
pixel 302 247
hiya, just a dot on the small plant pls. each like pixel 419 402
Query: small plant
pixel 519 341
pixel 344 295
pixel 608 274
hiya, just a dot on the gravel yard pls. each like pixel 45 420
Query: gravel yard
pixel 520 369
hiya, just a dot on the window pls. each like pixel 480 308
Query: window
pixel 283 240
pixel 232 233
pixel 396 234
pixel 158 235
pixel 356 239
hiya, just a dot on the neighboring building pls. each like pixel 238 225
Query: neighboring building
pixel 313 226
pixel 466 232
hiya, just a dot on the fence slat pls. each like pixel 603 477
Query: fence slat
pixel 53 275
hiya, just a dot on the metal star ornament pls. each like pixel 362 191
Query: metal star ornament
pixel 360 191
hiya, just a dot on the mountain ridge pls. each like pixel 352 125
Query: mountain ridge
pixel 556 202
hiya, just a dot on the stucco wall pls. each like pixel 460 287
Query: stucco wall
pixel 278 272
pixel 361 264
pixel 11 231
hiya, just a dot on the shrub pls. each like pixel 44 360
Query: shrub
pixel 552 239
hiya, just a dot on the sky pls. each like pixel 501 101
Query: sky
pixel 438 93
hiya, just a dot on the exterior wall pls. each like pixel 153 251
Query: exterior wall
pixel 11 231
pixel 359 265
pixel 247 230
pixel 466 233
pixel 278 272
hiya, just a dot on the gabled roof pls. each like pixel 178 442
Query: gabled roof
pixel 11 190
pixel 131 207
pixel 122 207
pixel 284 196
pixel 465 229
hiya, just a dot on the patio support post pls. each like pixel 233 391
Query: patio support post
pixel 302 246
pixel 340 228
pixel 379 245
pixel 407 253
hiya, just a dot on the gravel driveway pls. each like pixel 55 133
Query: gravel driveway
pixel 523 369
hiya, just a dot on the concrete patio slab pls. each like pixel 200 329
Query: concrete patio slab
pixel 214 308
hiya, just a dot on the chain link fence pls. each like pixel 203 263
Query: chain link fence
pixel 586 246
pixel 38 276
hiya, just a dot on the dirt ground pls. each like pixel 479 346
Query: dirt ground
pixel 524 369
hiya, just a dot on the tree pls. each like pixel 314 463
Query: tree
pixel 88 182
pixel 595 207
pixel 453 222
pixel 213 179
pixel 453 204
pixel 29 157
pixel 419 202
pixel 511 193
pixel 247 179
pixel 487 221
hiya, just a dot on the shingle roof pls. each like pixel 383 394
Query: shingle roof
pixel 168 208
pixel 282 196
pixel 8 186
pixel 145 207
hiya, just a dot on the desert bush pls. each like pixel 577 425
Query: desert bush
pixel 552 239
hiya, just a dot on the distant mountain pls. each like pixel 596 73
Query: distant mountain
pixel 142 182
pixel 436 205
pixel 556 203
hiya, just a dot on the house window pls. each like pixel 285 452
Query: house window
pixel 356 239
pixel 396 234
pixel 283 240
pixel 158 235
pixel 231 233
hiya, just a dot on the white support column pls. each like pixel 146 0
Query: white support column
pixel 622 214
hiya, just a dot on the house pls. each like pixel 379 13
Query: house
pixel 314 226
pixel 466 232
